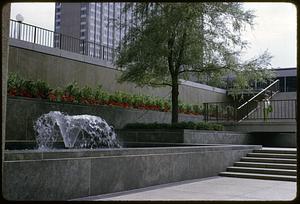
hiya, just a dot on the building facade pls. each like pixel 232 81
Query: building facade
pixel 95 27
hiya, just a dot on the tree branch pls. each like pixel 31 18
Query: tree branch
pixel 206 69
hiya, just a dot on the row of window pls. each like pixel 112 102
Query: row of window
pixel 288 84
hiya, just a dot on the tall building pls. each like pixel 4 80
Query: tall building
pixel 95 27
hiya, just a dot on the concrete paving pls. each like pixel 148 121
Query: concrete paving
pixel 213 188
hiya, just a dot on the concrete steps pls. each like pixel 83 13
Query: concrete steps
pixel 272 155
pixel 262 170
pixel 269 160
pixel 259 176
pixel 275 150
pixel 267 163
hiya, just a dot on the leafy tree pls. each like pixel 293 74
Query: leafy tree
pixel 169 41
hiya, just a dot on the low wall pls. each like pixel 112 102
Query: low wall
pixel 279 125
pixel 272 133
pixel 275 139
pixel 70 174
pixel 184 136
pixel 22 112
pixel 59 67
pixel 194 137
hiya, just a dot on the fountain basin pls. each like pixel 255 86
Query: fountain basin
pixel 69 174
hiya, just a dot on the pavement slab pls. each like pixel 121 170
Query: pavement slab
pixel 213 188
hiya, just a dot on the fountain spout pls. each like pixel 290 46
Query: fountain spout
pixel 78 131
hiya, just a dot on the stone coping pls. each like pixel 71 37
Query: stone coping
pixel 178 130
pixel 16 155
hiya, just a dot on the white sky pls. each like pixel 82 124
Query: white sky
pixel 274 29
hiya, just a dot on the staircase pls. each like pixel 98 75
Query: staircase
pixel 266 163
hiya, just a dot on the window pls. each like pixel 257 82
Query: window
pixel 82 33
pixel 291 84
pixel 57 9
pixel 57 23
pixel 82 12
pixel 281 84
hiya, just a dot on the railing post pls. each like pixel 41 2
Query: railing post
pixel 83 47
pixel 34 35
pixel 228 113
pixel 94 47
pixel 19 30
pixel 205 112
pixel 235 114
pixel 60 40
pixel 217 112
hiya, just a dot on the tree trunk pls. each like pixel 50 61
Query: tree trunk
pixel 175 95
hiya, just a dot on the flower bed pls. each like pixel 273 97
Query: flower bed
pixel 18 86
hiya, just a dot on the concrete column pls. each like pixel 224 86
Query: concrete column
pixel 5 48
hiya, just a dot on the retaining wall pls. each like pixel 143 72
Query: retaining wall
pixel 63 175
pixel 184 136
pixel 22 112
pixel 59 67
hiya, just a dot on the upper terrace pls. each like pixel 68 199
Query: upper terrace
pixel 217 106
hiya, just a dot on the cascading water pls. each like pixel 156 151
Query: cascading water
pixel 78 131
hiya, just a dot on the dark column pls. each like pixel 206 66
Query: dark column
pixel 5 49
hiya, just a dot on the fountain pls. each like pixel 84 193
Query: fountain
pixel 75 173
pixel 77 131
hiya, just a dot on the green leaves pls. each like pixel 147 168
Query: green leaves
pixel 180 40
pixel 180 125
pixel 17 86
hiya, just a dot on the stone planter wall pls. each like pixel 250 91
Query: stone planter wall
pixel 65 174
pixel 22 112
pixel 184 136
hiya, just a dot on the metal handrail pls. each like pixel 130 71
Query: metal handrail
pixel 251 99
pixel 49 38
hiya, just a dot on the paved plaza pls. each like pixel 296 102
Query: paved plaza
pixel 213 188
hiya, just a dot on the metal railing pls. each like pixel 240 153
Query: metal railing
pixel 246 109
pixel 48 38
pixel 274 110
pixel 259 107
pixel 220 111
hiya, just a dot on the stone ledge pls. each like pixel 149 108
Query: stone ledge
pixel 119 170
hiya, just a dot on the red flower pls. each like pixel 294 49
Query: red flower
pixel 52 97
pixel 12 92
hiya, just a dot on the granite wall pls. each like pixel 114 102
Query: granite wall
pixel 70 174
pixel 22 112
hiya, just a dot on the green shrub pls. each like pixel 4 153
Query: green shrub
pixel 180 125
pixel 14 81
pixel 17 86
pixel 100 94
pixel 73 90
pixel 86 93
pixel 41 89
pixel 197 109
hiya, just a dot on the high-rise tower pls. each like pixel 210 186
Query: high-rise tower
pixel 97 25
